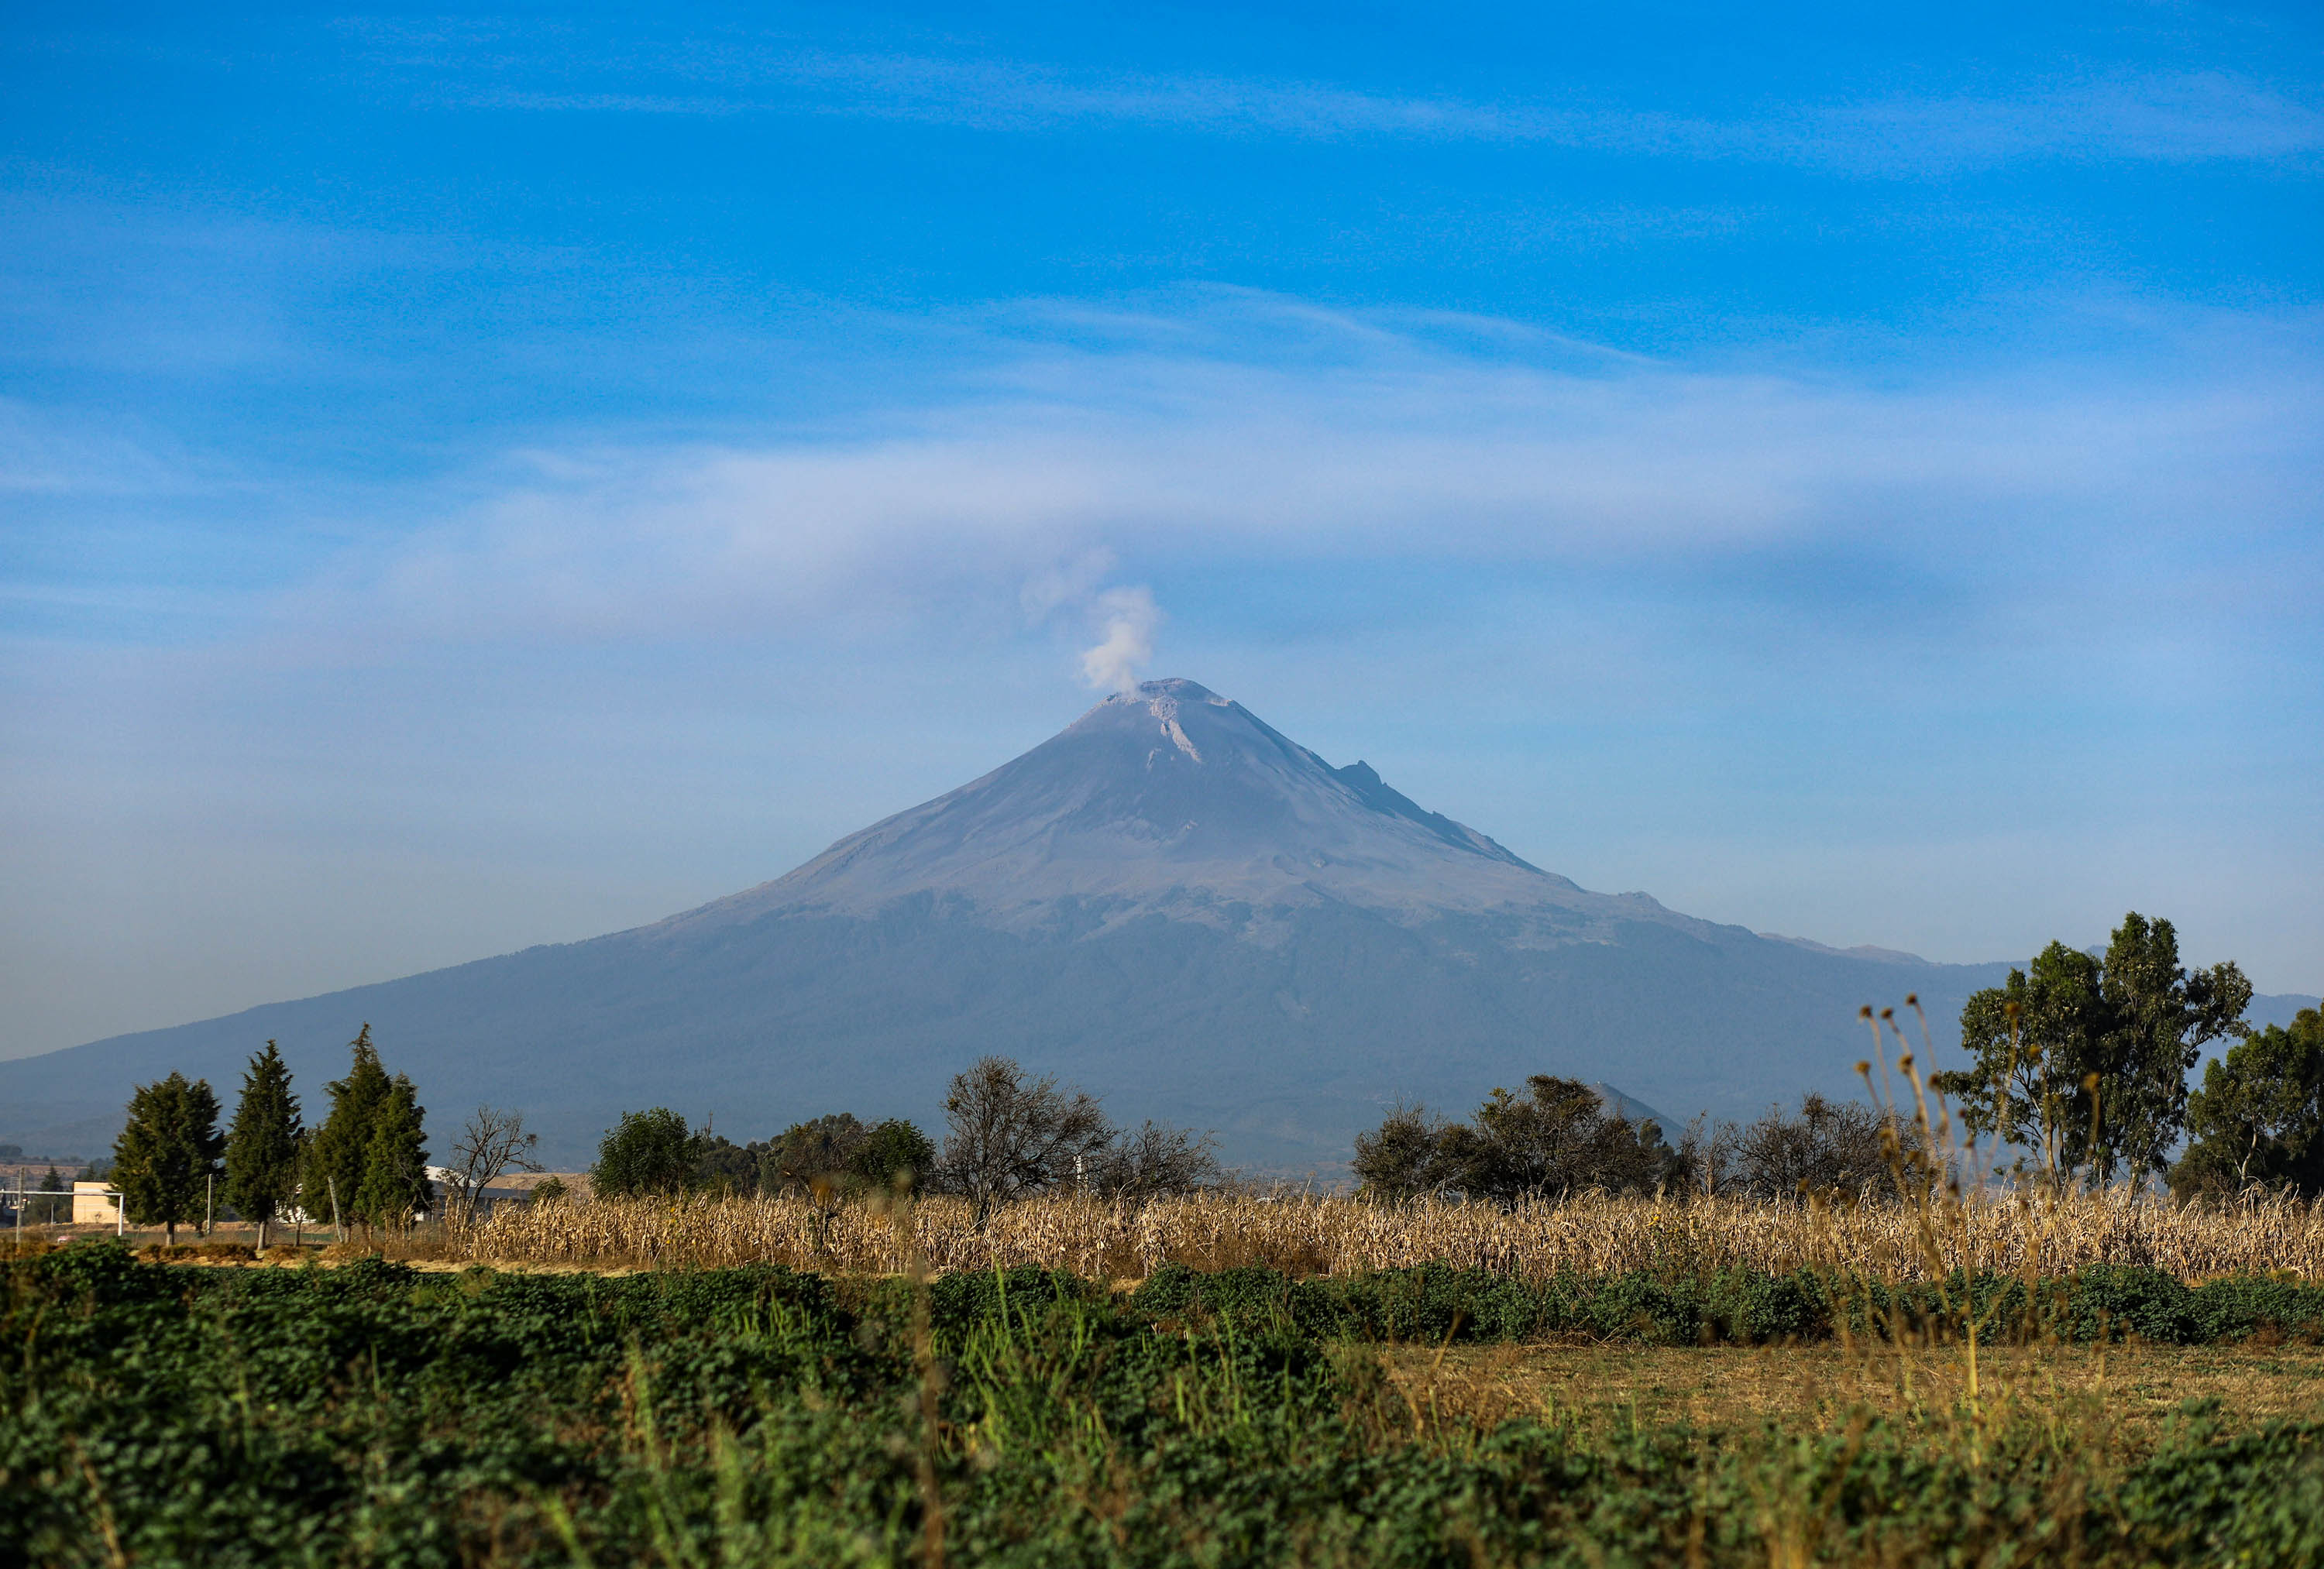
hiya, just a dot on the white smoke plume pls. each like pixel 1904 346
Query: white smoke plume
pixel 1131 619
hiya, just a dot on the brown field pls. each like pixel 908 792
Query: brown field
pixel 2126 1394
pixel 1309 1233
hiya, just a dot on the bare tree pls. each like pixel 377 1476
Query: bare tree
pixel 1009 1134
pixel 1830 1147
pixel 493 1142
pixel 1154 1160
pixel 1706 1160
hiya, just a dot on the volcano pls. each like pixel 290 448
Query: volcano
pixel 1170 799
pixel 1169 902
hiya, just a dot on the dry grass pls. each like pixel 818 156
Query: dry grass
pixel 2126 1393
pixel 1329 1235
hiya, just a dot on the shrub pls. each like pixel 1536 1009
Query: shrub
pixel 652 1152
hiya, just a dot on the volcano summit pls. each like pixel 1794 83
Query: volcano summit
pixel 1170 799
pixel 1168 901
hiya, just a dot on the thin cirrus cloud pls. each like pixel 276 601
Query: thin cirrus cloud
pixel 2168 117
pixel 2165 117
pixel 2177 118
pixel 42 455
pixel 1076 466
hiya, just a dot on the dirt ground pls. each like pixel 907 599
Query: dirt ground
pixel 2131 1391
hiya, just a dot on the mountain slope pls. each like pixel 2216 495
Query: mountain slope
pixel 1168 901
pixel 1172 798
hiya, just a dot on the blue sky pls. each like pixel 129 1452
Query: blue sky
pixel 470 479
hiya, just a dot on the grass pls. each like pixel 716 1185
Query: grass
pixel 157 1413
pixel 2128 1394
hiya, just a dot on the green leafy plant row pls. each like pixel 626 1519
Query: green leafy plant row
pixel 160 1415
pixel 1434 1304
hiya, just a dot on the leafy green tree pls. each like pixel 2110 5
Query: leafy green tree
pixel 893 1154
pixel 394 1186
pixel 727 1168
pixel 1560 1136
pixel 261 1147
pixel 2258 1121
pixel 840 1153
pixel 168 1153
pixel 2083 1062
pixel 1408 1156
pixel 816 1153
pixel 2033 1042
pixel 652 1151
pixel 2163 1016
pixel 340 1151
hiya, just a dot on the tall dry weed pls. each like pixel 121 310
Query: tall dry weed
pixel 2042 1233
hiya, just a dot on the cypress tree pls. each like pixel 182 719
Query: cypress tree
pixel 395 1185
pixel 339 1151
pixel 262 1149
pixel 163 1157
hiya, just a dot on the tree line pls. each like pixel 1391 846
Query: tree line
pixel 2080 1061
pixel 1009 1134
pixel 366 1165
pixel 2077 1072
pixel 1562 1136
pixel 2077 1068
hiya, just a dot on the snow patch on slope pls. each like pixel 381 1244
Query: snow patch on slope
pixel 1166 708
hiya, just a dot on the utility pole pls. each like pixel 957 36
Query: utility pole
pixel 209 1202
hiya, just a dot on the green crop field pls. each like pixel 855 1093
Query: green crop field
pixel 375 1414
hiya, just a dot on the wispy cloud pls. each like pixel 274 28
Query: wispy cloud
pixel 2174 118
pixel 2157 115
pixel 543 656
pixel 1390 447
pixel 2181 117
pixel 42 455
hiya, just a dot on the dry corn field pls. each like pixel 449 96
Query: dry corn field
pixel 1309 1233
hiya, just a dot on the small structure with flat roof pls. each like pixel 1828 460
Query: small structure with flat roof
pixel 96 1204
